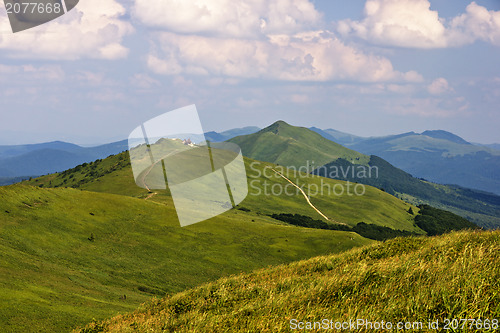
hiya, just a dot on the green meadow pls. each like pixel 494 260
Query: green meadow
pixel 413 281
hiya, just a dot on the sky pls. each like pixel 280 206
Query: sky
pixel 370 68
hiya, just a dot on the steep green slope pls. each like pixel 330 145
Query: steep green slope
pixel 482 208
pixel 268 192
pixel 414 280
pixel 288 145
pixel 67 256
pixel 298 148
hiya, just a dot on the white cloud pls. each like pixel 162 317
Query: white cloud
pixel 412 24
pixel 427 107
pixel 229 18
pixel 93 29
pixel 477 23
pixel 307 56
pixel 144 81
pixel 439 86
pixel 31 74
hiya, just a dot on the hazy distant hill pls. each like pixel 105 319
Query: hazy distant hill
pixel 19 162
pixel 438 156
pixel 229 134
pixel 39 159
pixel 338 136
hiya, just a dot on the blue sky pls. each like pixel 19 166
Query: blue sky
pixel 370 68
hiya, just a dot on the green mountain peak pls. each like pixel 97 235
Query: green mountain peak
pixel 293 146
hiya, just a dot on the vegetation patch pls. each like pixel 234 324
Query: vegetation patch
pixel 371 231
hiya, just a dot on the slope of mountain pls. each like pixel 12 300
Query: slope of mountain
pixel 268 192
pixel 73 254
pixel 229 134
pixel 440 134
pixel 68 256
pixel 495 146
pixel 414 280
pixel 338 136
pixel 438 156
pixel 297 147
pixel 480 207
pixel 283 144
pixel 38 159
pixel 11 151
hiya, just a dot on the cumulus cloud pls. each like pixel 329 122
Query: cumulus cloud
pixel 93 29
pixel 272 39
pixel 311 56
pixel 31 73
pixel 228 18
pixel 439 86
pixel 412 24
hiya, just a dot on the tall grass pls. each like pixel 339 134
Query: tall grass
pixel 417 279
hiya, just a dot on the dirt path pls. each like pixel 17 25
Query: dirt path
pixel 142 178
pixel 150 195
pixel 303 193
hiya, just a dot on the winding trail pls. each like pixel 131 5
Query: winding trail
pixel 143 176
pixel 303 193
pixel 150 195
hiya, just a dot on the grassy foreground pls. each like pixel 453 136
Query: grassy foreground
pixel 418 279
pixel 67 256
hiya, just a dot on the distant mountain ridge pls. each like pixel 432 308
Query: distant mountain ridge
pixel 32 160
pixel 436 155
pixel 18 162
pixel 440 134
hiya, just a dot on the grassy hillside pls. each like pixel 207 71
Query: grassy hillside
pixel 68 256
pixel 402 280
pixel 89 243
pixel 266 193
pixel 299 147
pixel 288 145
pixel 482 208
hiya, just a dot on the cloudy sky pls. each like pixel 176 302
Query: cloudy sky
pixel 374 67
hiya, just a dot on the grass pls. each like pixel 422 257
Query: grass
pixel 416 279
pixel 98 248
pixel 114 175
pixel 68 256
pixel 283 144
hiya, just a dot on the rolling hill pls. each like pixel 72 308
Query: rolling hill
pixel 19 162
pixel 480 207
pixel 114 175
pixel 89 243
pixel 298 147
pixel 229 134
pixel 68 255
pixel 414 280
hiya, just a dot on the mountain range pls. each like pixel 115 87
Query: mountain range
pixel 305 149
pixel 87 243
pixel 438 156
pixel 20 162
